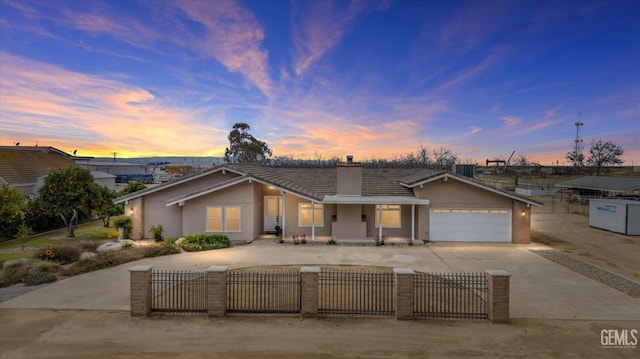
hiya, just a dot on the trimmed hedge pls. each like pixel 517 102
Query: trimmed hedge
pixel 205 242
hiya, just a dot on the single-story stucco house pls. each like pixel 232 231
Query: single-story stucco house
pixel 342 202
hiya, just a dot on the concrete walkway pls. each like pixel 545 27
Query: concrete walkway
pixel 539 288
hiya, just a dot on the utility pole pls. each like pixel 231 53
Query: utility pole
pixel 114 156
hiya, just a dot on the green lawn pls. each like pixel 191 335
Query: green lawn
pixel 91 231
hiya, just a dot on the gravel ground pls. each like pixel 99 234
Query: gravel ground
pixel 596 273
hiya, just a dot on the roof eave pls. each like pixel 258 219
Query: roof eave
pixel 473 183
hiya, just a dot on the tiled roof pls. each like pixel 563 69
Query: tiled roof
pixel 603 183
pixel 23 165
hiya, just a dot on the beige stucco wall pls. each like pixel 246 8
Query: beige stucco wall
pixel 349 224
pixel 291 218
pixel 242 195
pixel 349 179
pixel 456 194
pixel 155 209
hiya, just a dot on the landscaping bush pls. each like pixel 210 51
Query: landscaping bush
pixel 37 278
pixel 161 249
pixel 10 276
pixel 32 273
pixel 61 254
pixel 124 222
pixel 156 231
pixel 101 261
pixel 203 242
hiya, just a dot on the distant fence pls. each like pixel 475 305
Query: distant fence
pixel 318 292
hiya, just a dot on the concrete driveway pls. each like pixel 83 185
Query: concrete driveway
pixel 539 288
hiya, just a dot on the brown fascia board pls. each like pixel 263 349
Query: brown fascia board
pixel 473 183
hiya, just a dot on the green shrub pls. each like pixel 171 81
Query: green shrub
pixel 101 261
pixel 204 242
pixel 161 249
pixel 37 278
pixel 124 222
pixel 156 231
pixel 61 254
pixel 171 240
pixel 332 242
pixel 128 245
pixel 10 276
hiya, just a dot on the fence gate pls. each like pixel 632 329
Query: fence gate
pixel 355 293
pixel 450 295
pixel 178 292
pixel 263 292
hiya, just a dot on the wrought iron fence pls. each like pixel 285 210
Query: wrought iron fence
pixel 355 293
pixel 450 295
pixel 263 292
pixel 178 292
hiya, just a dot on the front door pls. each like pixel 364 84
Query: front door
pixel 272 213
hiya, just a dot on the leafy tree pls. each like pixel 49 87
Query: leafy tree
pixel 67 192
pixel 12 211
pixel 244 148
pixel 106 208
pixel 132 186
pixel 604 153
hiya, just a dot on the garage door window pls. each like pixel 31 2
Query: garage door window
pixel 389 214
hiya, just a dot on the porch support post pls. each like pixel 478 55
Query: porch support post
pixel 413 222
pixel 284 215
pixel 380 223
pixel 313 220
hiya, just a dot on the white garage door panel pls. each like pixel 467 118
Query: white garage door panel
pixel 470 226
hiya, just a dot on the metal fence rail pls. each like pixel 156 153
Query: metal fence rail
pixel 355 293
pixel 450 295
pixel 264 292
pixel 178 292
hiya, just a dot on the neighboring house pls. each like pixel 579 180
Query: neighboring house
pixel 20 166
pixel 344 202
pixel 600 186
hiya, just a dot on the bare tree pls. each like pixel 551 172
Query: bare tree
pixel 604 153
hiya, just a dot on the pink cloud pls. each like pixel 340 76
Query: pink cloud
pixel 510 121
pixel 234 38
pixel 319 29
pixel 41 102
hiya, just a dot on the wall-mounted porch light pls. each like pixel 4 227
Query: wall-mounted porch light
pixel 523 213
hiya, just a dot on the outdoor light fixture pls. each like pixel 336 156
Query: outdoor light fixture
pixel 523 213
pixel 131 211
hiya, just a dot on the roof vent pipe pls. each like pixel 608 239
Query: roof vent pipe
pixel 349 159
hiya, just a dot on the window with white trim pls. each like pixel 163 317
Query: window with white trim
pixel 223 219
pixel 389 214
pixel 306 214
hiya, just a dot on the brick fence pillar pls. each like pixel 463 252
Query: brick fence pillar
pixel 498 295
pixel 309 291
pixel 217 291
pixel 403 291
pixel 140 291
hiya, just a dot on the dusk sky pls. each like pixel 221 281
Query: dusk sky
pixel 367 78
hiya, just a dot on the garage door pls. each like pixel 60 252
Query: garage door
pixel 470 225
